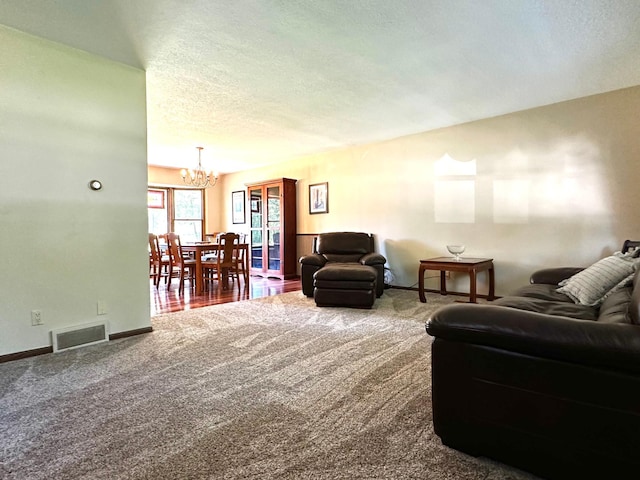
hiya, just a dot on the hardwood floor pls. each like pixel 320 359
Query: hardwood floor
pixel 167 299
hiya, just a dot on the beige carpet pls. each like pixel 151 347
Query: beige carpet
pixel 269 388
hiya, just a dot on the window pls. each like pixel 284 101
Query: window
pixel 157 207
pixel 183 212
pixel 188 217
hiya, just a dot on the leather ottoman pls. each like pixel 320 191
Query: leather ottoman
pixel 345 285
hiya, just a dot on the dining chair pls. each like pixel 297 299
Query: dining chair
pixel 239 260
pixel 159 264
pixel 238 266
pixel 179 263
pixel 212 254
pixel 221 266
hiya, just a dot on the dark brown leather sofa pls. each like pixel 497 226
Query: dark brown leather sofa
pixel 344 270
pixel 541 383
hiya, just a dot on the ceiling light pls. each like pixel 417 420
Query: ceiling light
pixel 199 177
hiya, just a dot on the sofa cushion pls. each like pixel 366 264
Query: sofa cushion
pixel 344 243
pixel 547 307
pixel 615 308
pixel 342 257
pixel 634 303
pixel 346 272
pixel 542 291
pixel 589 286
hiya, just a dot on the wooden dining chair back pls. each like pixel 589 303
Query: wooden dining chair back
pixel 240 261
pixel 180 265
pixel 228 243
pixel 211 255
pixel 160 265
pixel 220 268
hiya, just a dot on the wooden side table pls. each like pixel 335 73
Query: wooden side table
pixel 448 264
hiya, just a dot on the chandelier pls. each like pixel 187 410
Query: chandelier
pixel 199 177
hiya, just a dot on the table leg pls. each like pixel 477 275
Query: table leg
pixel 199 275
pixel 492 287
pixel 472 286
pixel 423 299
pixel 245 270
pixel 443 282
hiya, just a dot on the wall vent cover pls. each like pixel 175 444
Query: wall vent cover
pixel 79 336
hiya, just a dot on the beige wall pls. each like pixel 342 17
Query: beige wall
pixel 67 117
pixel 556 185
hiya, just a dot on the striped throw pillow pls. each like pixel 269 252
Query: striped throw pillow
pixel 589 286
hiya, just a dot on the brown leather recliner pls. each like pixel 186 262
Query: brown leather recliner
pixel 344 270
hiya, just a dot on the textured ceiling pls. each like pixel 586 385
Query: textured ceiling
pixel 261 81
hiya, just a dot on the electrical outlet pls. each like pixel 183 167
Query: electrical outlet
pixel 36 317
pixel 102 307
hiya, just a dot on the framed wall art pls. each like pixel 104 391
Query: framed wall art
pixel 237 207
pixel 319 198
pixel 155 198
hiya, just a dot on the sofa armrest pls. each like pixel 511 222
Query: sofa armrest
pixel 313 259
pixel 553 276
pixel 547 336
pixel 372 259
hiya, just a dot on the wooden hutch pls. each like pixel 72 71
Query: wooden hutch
pixel 272 235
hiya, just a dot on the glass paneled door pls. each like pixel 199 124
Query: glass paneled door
pixel 255 203
pixel 265 228
pixel 273 227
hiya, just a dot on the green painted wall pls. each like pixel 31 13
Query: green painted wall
pixel 67 117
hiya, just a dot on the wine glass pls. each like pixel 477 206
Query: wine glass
pixel 456 251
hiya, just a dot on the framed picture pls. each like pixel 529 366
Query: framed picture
pixel 155 198
pixel 319 198
pixel 237 206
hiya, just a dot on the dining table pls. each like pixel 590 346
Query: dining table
pixel 198 249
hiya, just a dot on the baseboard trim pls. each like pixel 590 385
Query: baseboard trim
pixel 130 333
pixel 449 292
pixel 10 357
